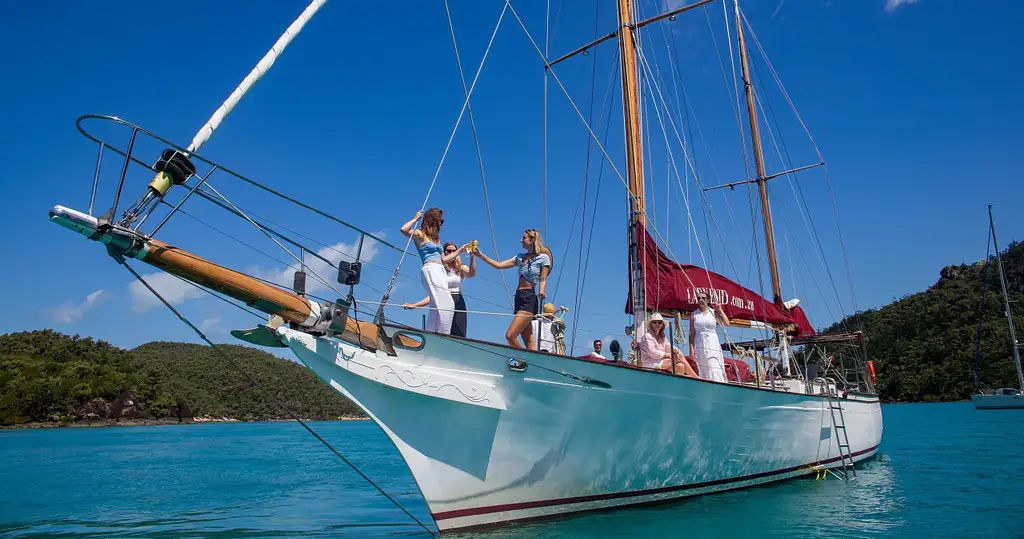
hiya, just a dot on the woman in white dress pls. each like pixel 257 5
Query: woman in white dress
pixel 704 345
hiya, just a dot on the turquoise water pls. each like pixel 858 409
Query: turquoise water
pixel 944 470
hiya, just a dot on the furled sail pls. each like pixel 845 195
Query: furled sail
pixel 671 286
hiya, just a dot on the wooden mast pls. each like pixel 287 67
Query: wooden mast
pixel 755 135
pixel 634 154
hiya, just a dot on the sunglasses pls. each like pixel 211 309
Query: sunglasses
pixel 657 322
pixel 449 251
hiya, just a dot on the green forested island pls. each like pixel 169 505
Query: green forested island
pixel 49 377
pixel 922 346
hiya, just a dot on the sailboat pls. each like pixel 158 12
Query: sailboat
pixel 1006 397
pixel 493 434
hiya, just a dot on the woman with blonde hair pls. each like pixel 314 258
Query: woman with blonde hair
pixel 657 352
pixel 456 272
pixel 534 266
pixel 432 275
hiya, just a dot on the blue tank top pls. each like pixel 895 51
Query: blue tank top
pixel 429 251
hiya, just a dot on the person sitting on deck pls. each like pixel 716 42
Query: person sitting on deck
pixel 656 352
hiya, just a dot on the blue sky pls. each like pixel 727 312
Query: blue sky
pixel 911 103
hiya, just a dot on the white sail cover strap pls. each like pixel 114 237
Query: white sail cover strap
pixel 257 72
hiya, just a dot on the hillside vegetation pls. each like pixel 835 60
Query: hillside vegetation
pixel 46 376
pixel 923 345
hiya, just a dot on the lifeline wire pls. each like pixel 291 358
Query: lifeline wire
pixel 256 383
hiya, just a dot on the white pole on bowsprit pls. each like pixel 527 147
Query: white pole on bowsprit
pixel 261 69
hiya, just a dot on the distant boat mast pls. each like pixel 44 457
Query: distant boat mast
pixel 1006 301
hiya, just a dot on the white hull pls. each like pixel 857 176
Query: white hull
pixel 489 445
pixel 997 402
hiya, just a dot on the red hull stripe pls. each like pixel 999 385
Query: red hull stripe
pixel 630 494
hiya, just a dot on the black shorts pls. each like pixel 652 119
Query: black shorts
pixel 526 300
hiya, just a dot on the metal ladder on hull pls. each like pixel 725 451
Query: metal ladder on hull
pixel 835 404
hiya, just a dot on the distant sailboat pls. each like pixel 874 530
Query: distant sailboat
pixel 1004 397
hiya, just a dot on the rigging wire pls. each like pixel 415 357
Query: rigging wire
pixel 798 192
pixel 479 152
pixel 585 188
pixel 444 156
pixel 271 237
pixel 691 165
pixel 255 383
pixel 981 316
pixel 685 199
pixel 211 199
pixel 801 201
pixel 311 252
pixel 821 158
pixel 544 128
pixel 646 65
pixel 582 283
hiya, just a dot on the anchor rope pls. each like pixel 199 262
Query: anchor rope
pixel 273 399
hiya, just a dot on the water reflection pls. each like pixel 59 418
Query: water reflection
pixel 870 506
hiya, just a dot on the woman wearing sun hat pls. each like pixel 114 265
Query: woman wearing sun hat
pixel 656 352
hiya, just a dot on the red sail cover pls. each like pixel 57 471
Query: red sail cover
pixel 671 287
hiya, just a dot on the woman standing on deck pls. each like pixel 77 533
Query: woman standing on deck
pixel 704 345
pixel 534 265
pixel 456 272
pixel 433 275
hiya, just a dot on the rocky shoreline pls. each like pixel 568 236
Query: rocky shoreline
pixel 94 423
pixel 126 410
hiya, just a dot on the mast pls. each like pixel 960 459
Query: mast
pixel 1006 301
pixel 634 155
pixel 755 135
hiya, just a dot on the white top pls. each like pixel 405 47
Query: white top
pixel 706 339
pixel 543 336
pixel 454 281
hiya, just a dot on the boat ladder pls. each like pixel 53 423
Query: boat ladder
pixel 835 406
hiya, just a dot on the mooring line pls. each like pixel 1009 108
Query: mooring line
pixel 256 384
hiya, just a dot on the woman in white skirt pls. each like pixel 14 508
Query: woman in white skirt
pixel 433 274
pixel 704 345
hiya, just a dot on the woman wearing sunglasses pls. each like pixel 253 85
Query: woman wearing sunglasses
pixel 455 271
pixel 704 345
pixel 534 266
pixel 433 275
pixel 657 352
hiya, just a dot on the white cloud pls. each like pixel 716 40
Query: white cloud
pixel 334 253
pixel 210 325
pixel 891 5
pixel 69 312
pixel 173 289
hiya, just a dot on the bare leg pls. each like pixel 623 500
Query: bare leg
pixel 520 323
pixel 682 367
pixel 527 335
